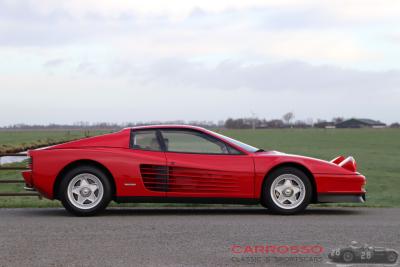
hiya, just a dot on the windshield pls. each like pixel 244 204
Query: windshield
pixel 246 147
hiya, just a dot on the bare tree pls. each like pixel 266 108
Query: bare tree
pixel 288 117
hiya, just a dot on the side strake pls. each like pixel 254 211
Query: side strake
pixel 177 179
pixel 155 177
pixel 192 180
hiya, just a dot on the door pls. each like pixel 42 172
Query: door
pixel 149 163
pixel 200 165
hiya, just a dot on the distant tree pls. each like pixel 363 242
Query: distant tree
pixel 395 125
pixel 320 123
pixel 238 123
pixel 229 123
pixel 337 120
pixel 275 124
pixel 301 124
pixel 288 117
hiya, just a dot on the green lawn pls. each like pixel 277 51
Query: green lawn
pixel 377 152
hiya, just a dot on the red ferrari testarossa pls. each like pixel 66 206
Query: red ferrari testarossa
pixel 186 164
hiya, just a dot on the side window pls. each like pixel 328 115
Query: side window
pixel 194 142
pixel 145 140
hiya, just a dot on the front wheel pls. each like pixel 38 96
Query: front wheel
pixel 287 191
pixel 348 256
pixel 85 191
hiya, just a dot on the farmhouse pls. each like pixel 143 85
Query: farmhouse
pixel 360 123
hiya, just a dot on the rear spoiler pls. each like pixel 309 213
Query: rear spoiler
pixel 348 163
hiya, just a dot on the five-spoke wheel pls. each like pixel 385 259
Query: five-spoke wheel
pixel 286 191
pixel 85 190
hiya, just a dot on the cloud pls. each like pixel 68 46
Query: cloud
pixel 173 89
pixel 288 30
pixel 54 63
pixel 205 58
pixel 177 9
pixel 285 76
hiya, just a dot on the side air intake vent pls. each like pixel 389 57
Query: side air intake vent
pixel 155 177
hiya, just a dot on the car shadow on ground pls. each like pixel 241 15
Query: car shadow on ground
pixel 220 211
pixel 195 211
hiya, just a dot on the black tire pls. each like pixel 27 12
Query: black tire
pixel 101 203
pixel 348 256
pixel 266 197
pixel 391 257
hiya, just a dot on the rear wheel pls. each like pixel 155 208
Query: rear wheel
pixel 85 191
pixel 391 257
pixel 287 191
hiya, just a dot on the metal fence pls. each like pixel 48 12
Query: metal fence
pixel 13 181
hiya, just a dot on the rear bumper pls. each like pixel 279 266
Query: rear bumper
pixel 341 198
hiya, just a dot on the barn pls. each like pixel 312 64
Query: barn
pixel 360 123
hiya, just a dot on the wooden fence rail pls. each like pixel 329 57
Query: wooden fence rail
pixel 14 181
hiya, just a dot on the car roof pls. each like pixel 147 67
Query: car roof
pixel 167 126
pixel 185 126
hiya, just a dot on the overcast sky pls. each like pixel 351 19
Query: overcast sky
pixel 129 61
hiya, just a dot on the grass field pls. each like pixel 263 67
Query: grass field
pixel 377 152
pixel 23 139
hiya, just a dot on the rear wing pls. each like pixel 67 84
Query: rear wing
pixel 348 163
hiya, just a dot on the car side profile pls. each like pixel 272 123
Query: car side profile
pixel 356 253
pixel 185 164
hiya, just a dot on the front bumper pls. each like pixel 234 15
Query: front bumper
pixel 341 198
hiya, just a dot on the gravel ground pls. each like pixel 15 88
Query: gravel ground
pixel 185 236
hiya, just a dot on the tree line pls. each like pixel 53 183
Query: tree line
pixel 287 121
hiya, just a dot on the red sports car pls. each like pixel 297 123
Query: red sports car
pixel 186 164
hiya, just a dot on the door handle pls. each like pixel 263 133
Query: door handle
pixel 171 163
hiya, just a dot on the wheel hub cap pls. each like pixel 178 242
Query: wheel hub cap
pixel 288 192
pixel 85 192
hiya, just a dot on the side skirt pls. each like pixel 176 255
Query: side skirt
pixel 341 198
pixel 243 201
